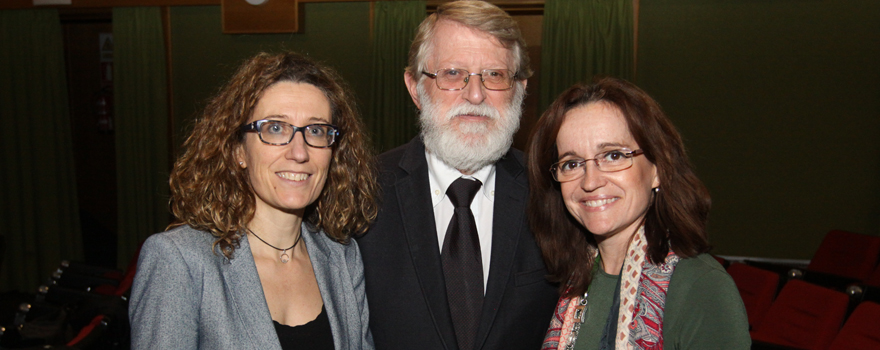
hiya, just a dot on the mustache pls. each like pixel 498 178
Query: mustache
pixel 481 109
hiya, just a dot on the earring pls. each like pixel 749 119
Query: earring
pixel 656 189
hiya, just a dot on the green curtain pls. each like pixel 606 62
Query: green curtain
pixel 37 179
pixel 141 107
pixel 584 38
pixel 392 118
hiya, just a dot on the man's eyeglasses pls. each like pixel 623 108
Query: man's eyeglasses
pixel 457 79
pixel 274 132
pixel 610 161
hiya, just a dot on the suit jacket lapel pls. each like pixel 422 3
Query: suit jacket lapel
pixel 511 190
pixel 413 195
pixel 247 300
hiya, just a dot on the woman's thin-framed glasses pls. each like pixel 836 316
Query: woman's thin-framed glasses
pixel 453 79
pixel 609 161
pixel 275 132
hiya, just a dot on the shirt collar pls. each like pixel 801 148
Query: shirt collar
pixel 441 175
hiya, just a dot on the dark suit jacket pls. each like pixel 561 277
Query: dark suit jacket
pixel 404 275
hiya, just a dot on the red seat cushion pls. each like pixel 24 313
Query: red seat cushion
pixel 862 329
pixel 757 287
pixel 803 316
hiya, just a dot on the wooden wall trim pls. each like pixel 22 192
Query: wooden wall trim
pixel 509 5
pixel 26 4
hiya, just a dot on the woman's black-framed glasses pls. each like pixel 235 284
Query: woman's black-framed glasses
pixel 274 132
pixel 453 79
pixel 609 161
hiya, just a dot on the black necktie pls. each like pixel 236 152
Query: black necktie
pixel 462 264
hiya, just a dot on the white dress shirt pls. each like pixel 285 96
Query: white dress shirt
pixel 441 176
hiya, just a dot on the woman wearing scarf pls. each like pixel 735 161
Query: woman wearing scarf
pixel 621 219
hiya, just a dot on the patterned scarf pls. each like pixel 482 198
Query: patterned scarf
pixel 642 300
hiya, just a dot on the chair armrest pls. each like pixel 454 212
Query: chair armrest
pixel 82 268
pixel 759 345
pixel 83 282
pixel 827 280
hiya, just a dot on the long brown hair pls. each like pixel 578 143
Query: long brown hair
pixel 677 216
pixel 210 192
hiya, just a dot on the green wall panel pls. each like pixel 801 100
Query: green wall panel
pixel 779 105
pixel 203 58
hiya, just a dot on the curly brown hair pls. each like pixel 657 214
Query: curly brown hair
pixel 210 192
pixel 677 216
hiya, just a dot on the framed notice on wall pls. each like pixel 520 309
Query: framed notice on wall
pixel 260 16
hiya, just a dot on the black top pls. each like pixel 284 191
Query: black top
pixel 315 335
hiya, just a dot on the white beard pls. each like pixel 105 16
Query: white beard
pixel 469 146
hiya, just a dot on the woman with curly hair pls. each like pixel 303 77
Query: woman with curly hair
pixel 620 217
pixel 276 178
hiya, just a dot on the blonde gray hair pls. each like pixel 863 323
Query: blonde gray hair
pixel 479 15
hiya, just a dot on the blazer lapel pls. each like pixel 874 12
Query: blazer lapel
pixel 413 195
pixel 511 191
pixel 247 300
pixel 328 274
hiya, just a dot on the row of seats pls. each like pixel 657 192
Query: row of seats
pixel 807 316
pixel 849 255
pixel 80 307
pixel 842 259
pixel 806 309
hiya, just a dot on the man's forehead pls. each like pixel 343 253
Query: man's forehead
pixel 453 41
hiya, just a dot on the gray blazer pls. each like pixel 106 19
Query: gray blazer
pixel 187 297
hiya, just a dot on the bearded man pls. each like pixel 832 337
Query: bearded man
pixel 450 262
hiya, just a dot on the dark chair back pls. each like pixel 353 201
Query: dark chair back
pixel 847 254
pixel 874 279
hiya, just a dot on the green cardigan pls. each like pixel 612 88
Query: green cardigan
pixel 703 309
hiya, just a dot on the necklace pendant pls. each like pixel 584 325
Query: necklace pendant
pixel 284 256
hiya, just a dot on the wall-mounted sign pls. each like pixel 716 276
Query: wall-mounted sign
pixel 270 16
